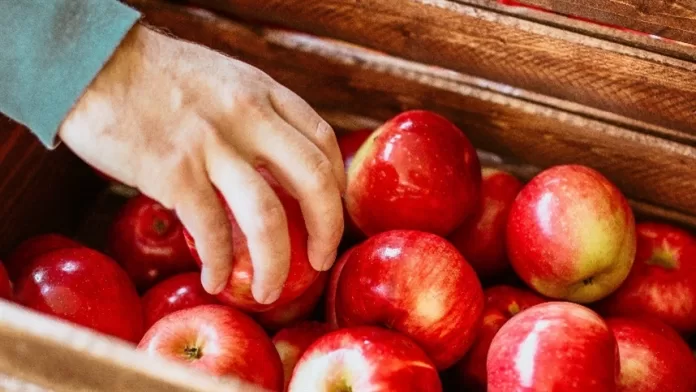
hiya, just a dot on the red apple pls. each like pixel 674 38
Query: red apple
pixel 417 171
pixel 653 356
pixel 554 346
pixel 332 286
pixel 29 249
pixel 349 143
pixel 662 281
pixel 296 310
pixel 291 343
pixel 364 358
pixel 502 303
pixel 571 234
pixel 148 241
pixel 178 292
pixel 5 284
pixel 219 340
pixel 416 283
pixel 83 286
pixel 481 238
pixel 237 293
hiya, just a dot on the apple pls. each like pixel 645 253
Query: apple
pixel 349 143
pixel 481 238
pixel 554 346
pixel 218 340
pixel 299 309
pixel 571 234
pixel 365 358
pixel 332 286
pixel 178 292
pixel 83 286
pixel 5 284
pixel 502 303
pixel 148 241
pixel 662 281
pixel 237 293
pixel 417 171
pixel 291 343
pixel 653 356
pixel 33 247
pixel 416 283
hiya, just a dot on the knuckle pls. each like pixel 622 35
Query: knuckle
pixel 325 134
pixel 321 174
pixel 244 102
pixel 271 220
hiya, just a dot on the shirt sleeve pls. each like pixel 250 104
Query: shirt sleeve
pixel 50 51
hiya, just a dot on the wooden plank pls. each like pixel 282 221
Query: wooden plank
pixel 40 190
pixel 674 19
pixel 58 356
pixel 603 31
pixel 521 53
pixel 346 78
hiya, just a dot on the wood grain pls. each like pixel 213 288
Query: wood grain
pixel 40 190
pixel 674 19
pixel 346 78
pixel 62 357
pixel 498 47
pixel 605 32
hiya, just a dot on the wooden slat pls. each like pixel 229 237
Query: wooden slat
pixel 347 78
pixel 40 190
pixel 536 57
pixel 675 19
pixel 647 42
pixel 62 357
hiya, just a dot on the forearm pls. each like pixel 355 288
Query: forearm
pixel 50 52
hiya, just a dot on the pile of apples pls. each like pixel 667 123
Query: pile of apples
pixel 450 277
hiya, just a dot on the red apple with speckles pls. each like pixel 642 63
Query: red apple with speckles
pixel 554 346
pixel 502 303
pixel 417 171
pixel 481 238
pixel 301 275
pixel 296 310
pixel 654 358
pixel 349 143
pixel 332 286
pixel 365 358
pixel 662 281
pixel 5 284
pixel 178 292
pixel 571 234
pixel 291 343
pixel 83 286
pixel 29 249
pixel 218 340
pixel 148 241
pixel 416 283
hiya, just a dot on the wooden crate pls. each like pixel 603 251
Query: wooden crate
pixel 531 88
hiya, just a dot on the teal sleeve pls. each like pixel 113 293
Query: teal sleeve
pixel 50 51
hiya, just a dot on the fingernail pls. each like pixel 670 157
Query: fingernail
pixel 329 261
pixel 272 296
pixel 212 284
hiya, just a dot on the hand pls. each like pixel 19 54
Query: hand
pixel 178 121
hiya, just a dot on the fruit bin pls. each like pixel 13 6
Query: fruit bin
pixel 531 89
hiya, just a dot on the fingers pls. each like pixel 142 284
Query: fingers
pixel 203 215
pixel 260 216
pixel 296 112
pixel 303 169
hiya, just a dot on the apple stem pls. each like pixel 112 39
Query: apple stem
pixel 193 353
pixel 588 281
pixel 159 226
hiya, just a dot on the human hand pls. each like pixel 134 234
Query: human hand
pixel 178 121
